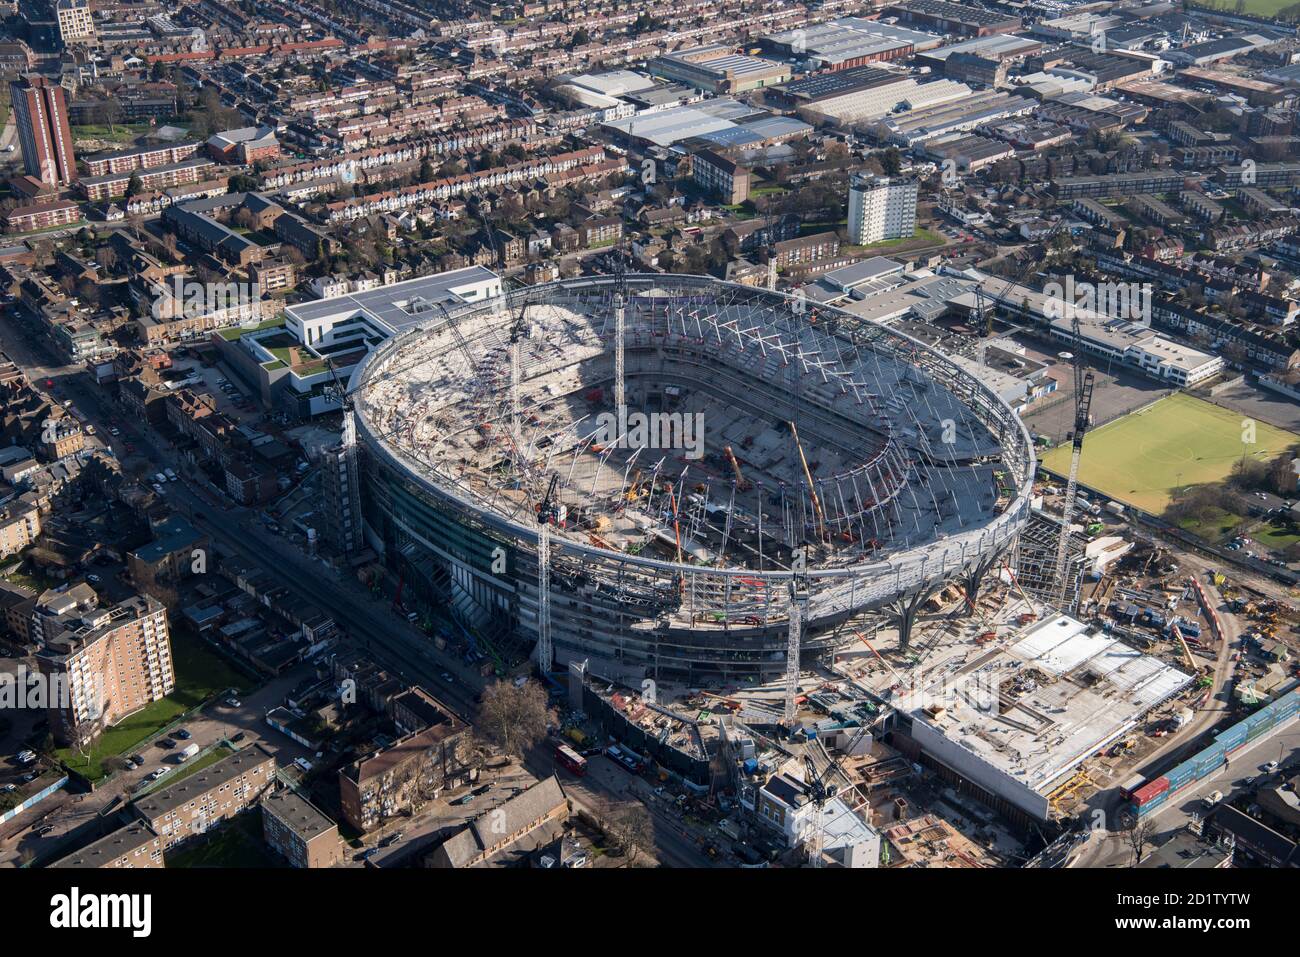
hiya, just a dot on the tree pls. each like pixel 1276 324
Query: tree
pixel 135 186
pixel 1138 834
pixel 514 718
pixel 1282 475
pixel 630 830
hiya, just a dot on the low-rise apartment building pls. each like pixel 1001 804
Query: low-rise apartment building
pixel 206 798
pixel 20 526
pixel 133 845
pixel 298 832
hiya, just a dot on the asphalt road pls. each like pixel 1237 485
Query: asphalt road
pixel 1107 847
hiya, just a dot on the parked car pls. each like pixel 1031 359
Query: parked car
pixel 182 733
pixel 1271 767
pixel 232 702
pixel 1214 798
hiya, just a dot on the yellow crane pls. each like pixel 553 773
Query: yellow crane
pixel 812 491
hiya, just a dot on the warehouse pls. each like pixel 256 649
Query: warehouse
pixel 848 42
pixel 717 69
pixel 876 102
pixel 920 124
pixel 952 18
pixel 999 46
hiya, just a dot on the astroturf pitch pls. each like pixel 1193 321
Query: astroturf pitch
pixel 1178 441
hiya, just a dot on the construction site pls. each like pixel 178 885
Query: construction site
pixel 676 478
pixel 792 559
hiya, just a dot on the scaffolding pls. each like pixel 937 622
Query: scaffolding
pixel 1036 555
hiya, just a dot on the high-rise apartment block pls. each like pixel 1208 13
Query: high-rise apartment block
pixel 104 664
pixel 881 208
pixel 41 112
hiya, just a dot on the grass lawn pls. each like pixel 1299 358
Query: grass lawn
pixel 117 133
pixel 1179 441
pixel 1257 8
pixel 1275 536
pixel 200 674
pixel 236 843
pixel 234 332
pixel 1216 527
pixel 918 240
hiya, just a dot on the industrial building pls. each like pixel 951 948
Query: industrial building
pixel 950 18
pixel 848 42
pixel 718 69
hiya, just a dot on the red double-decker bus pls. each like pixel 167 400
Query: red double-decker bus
pixel 571 759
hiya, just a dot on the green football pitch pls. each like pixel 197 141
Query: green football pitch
pixel 1142 458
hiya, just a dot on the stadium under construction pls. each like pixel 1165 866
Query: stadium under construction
pixel 697 461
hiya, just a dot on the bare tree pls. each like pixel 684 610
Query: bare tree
pixel 630 830
pixel 514 718
pixel 1138 834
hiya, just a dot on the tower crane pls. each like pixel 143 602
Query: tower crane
pixel 821 789
pixel 548 513
pixel 1083 383
pixel 798 613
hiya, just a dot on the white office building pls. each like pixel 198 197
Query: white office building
pixel 881 208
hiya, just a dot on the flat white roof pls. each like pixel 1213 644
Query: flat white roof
pixel 392 306
pixel 1036 709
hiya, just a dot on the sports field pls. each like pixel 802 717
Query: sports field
pixel 1257 8
pixel 1173 443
